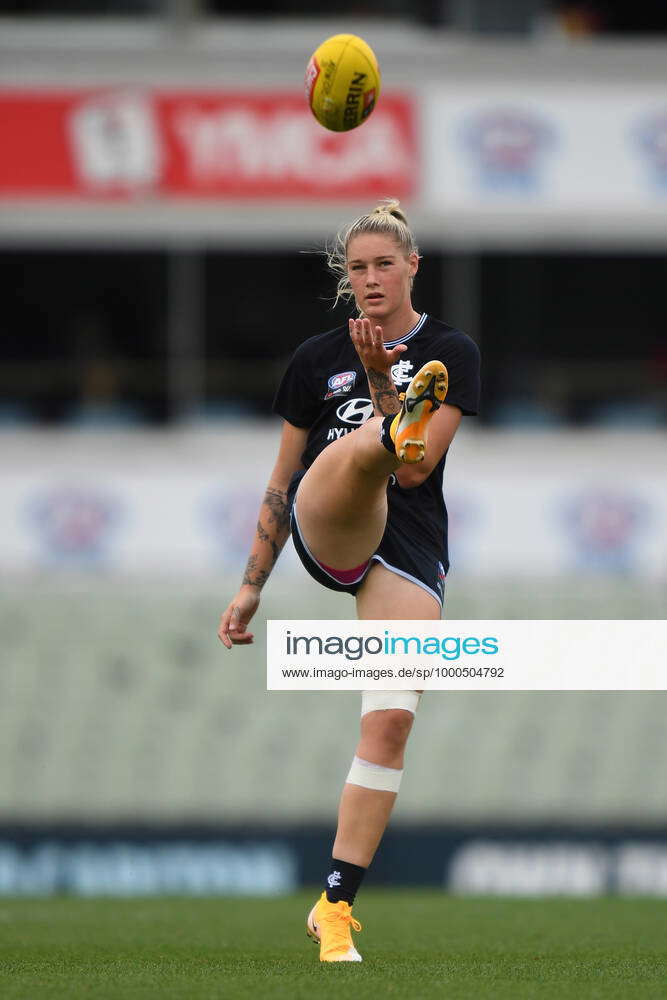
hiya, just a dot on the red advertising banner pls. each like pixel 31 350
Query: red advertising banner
pixel 131 143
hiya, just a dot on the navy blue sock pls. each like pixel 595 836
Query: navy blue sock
pixel 385 436
pixel 343 881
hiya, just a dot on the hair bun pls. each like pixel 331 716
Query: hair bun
pixel 387 220
pixel 390 206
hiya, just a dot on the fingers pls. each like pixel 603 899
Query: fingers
pixel 232 630
pixel 358 333
pixel 223 629
pixel 238 626
pixel 364 335
pixel 242 639
pixel 237 638
pixel 396 353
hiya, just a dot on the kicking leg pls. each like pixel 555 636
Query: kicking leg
pixel 341 504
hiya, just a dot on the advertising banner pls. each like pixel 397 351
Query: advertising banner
pixel 480 860
pixel 547 148
pixel 552 506
pixel 140 144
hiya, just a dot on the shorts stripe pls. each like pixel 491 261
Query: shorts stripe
pixel 407 576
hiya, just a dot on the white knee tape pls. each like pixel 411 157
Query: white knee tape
pixel 375 776
pixel 380 701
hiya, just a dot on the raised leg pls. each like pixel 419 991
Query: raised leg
pixel 341 504
pixel 342 499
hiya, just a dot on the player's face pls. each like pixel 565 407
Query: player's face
pixel 380 274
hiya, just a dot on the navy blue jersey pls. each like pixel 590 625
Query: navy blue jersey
pixel 325 390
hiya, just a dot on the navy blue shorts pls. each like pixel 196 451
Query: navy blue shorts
pixel 396 551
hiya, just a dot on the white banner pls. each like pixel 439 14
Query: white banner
pixel 518 504
pixel 552 148
pixel 494 655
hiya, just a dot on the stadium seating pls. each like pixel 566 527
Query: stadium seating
pixel 117 702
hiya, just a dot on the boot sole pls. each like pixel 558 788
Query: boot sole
pixel 412 432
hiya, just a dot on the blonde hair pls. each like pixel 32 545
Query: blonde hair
pixel 386 219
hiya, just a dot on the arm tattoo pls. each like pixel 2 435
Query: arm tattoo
pixel 265 537
pixel 383 392
pixel 276 501
pixel 255 577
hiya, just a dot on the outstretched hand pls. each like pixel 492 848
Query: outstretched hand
pixel 369 345
pixel 234 621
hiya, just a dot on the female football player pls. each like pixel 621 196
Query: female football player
pixel 358 481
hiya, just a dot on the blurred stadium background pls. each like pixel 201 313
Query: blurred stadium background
pixel 159 182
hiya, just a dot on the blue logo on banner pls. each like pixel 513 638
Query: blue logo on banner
pixel 74 524
pixel 651 137
pixel 230 519
pixel 604 527
pixel 464 518
pixel 507 147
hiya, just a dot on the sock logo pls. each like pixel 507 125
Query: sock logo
pixel 333 879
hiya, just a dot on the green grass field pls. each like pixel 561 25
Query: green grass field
pixel 415 944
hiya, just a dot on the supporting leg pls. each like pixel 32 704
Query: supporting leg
pixel 364 812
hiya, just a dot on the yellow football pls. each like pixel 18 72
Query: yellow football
pixel 342 82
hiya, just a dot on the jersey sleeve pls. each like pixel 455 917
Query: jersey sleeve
pixel 296 399
pixel 463 364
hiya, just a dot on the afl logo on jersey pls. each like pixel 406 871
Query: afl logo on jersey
pixel 340 384
pixel 355 411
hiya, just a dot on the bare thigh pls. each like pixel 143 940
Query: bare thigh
pixel 341 503
pixel 384 594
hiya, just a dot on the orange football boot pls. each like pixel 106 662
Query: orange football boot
pixel 425 394
pixel 328 924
